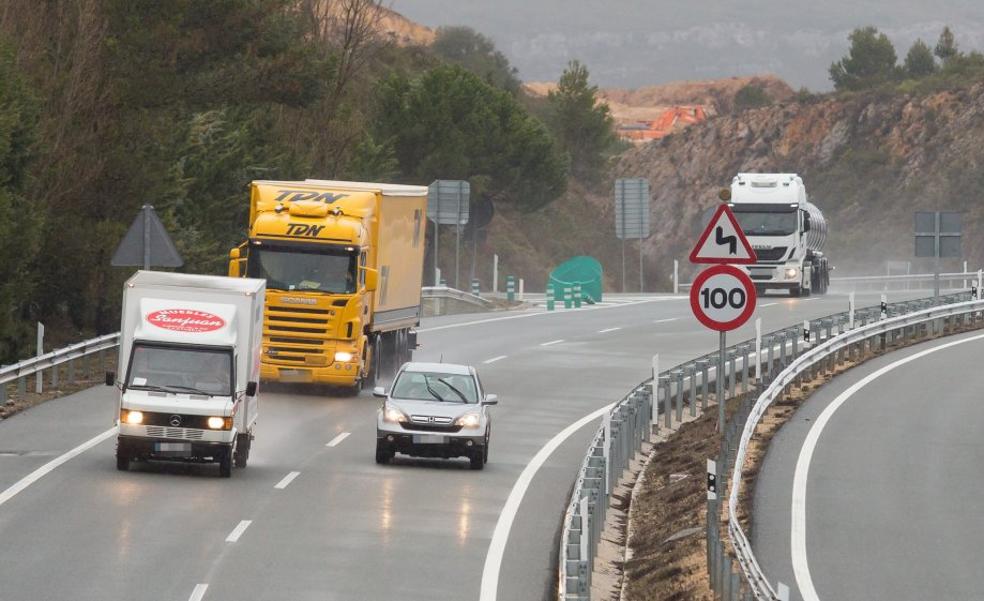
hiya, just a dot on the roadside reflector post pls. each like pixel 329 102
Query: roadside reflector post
pixel 495 274
pixel 38 380
pixel 577 296
pixel 550 297
pixel 510 288
pixel 676 277
pixel 568 297
pixel 758 348
pixel 476 287
pixel 521 294
pixel 850 311
pixel 654 387
pixel 711 482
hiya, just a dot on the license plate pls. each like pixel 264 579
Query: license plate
pixel 295 374
pixel 428 439
pixel 172 447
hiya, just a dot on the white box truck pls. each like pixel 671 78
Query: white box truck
pixel 189 368
pixel 786 230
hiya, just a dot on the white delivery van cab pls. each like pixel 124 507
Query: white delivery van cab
pixel 189 368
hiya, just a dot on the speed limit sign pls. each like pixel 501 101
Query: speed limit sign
pixel 723 297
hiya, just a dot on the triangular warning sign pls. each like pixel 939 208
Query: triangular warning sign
pixel 723 241
pixel 146 244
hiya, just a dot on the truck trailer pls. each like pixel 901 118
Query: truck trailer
pixel 189 366
pixel 786 230
pixel 343 262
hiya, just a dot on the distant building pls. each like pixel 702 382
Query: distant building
pixel 672 119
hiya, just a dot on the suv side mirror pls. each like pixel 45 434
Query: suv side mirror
pixel 251 388
pixel 491 399
pixel 372 278
pixel 110 378
pixel 379 391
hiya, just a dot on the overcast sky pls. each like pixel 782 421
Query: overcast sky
pixel 630 43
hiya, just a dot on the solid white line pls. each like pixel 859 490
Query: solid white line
pixel 543 313
pixel 666 320
pixel 494 359
pixel 238 531
pixel 287 480
pixel 39 473
pixel 768 304
pixel 497 546
pixel 334 442
pixel 606 330
pixel 552 342
pixel 801 568
pixel 199 593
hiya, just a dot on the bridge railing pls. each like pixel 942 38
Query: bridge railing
pixel 633 419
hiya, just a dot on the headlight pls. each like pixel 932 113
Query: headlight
pixel 469 420
pixel 132 417
pixel 217 423
pixel 791 272
pixel 343 357
pixel 392 414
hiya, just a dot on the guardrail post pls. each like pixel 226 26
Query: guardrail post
pixel 3 394
pixel 678 376
pixel 667 403
pixel 745 368
pixel 732 373
pixel 692 374
pixel 54 376
pixel 22 387
pixel 71 371
pixel 704 384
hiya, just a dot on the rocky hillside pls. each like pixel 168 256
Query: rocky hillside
pixel 868 161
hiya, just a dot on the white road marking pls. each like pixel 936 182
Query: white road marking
pixel 238 531
pixel 606 330
pixel 497 546
pixel 39 473
pixel 666 320
pixel 494 359
pixel 543 313
pixel 287 480
pixel 552 342
pixel 334 442
pixel 199 593
pixel 768 304
pixel 801 568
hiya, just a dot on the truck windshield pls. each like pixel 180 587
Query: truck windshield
pixel 181 369
pixel 767 223
pixel 329 270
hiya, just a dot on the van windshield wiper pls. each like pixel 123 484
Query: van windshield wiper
pixel 172 389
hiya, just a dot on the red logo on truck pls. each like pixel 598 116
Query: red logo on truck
pixel 186 320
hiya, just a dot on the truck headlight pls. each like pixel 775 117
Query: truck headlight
pixel 218 423
pixel 343 356
pixel 791 272
pixel 394 415
pixel 469 420
pixel 133 418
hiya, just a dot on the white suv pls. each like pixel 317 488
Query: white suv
pixel 435 410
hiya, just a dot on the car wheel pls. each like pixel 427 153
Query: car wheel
pixel 122 461
pixel 225 464
pixel 477 459
pixel 383 454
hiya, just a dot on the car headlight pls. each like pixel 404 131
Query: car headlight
pixel 133 418
pixel 343 356
pixel 216 423
pixel 469 420
pixel 392 414
pixel 791 272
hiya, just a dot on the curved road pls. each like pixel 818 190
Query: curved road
pixel 882 500
pixel 313 517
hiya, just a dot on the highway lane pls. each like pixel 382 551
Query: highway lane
pixel 343 528
pixel 891 492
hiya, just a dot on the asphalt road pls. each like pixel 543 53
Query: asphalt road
pixel 887 505
pixel 313 517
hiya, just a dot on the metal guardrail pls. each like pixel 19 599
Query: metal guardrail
pixel 632 420
pixel 446 292
pixel 821 358
pixel 954 280
pixel 36 366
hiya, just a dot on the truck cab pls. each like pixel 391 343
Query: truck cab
pixel 785 229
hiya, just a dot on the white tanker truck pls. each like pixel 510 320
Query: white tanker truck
pixel 786 230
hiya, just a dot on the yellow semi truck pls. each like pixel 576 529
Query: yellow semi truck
pixel 343 262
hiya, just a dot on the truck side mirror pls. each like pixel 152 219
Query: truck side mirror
pixel 806 222
pixel 372 278
pixel 251 388
pixel 110 378
pixel 235 262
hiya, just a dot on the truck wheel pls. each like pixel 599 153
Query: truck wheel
pixel 796 291
pixel 383 453
pixel 241 456
pixel 225 464
pixel 122 461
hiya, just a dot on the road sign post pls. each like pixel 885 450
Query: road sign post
pixel 632 217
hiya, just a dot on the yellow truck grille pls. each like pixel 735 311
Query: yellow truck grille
pixel 293 334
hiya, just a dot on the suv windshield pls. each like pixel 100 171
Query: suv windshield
pixel 181 369
pixel 766 223
pixel 435 386
pixel 304 269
